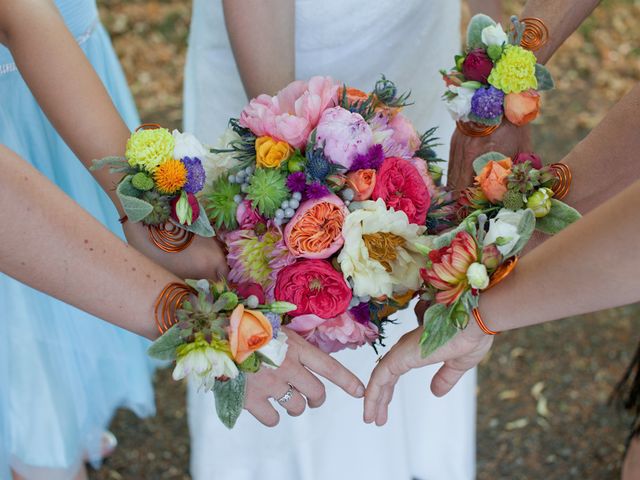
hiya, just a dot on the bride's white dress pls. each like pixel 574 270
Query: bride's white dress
pixel 426 438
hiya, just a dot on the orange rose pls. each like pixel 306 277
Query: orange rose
pixel 522 108
pixel 353 94
pixel 362 183
pixel 493 179
pixel 249 330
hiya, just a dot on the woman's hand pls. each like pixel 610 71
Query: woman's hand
pixel 507 139
pixel 462 353
pixel 204 258
pixel 297 370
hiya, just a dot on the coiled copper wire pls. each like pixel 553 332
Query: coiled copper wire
pixel 148 126
pixel 170 299
pixel 483 326
pixel 169 237
pixel 564 176
pixel 535 35
pixel 502 272
pixel 472 129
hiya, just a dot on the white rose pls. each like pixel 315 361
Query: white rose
pixel 459 105
pixel 494 35
pixel 275 350
pixel 477 276
pixel 503 230
pixel 218 164
pixel 187 146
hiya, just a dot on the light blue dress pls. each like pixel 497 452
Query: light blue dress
pixel 63 373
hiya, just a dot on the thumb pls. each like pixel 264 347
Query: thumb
pixel 445 379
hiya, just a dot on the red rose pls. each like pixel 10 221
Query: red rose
pixel 477 66
pixel 315 287
pixel 246 289
pixel 195 208
pixel 536 161
pixel 402 187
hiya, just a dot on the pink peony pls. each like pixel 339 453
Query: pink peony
pixel 344 135
pixel 404 135
pixel 293 112
pixel 335 334
pixel 402 187
pixel 247 216
pixel 315 287
pixel 423 170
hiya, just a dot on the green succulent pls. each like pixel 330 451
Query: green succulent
pixel 220 203
pixel 267 190
pixel 161 208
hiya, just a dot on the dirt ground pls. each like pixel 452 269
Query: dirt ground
pixel 543 392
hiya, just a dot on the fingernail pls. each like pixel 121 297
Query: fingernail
pixel 360 392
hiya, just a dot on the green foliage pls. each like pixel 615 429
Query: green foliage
pixel 142 182
pixel 220 205
pixel 164 348
pixel 438 328
pixel 559 217
pixel 202 225
pixel 115 164
pixel 135 208
pixel 485 121
pixel 544 78
pixel 474 30
pixel 525 230
pixel 229 397
pixel 480 162
pixel 161 210
pixel 251 364
pixel 267 190
pixel 386 92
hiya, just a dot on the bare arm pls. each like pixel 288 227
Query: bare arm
pixel 493 8
pixel 266 55
pixel 84 264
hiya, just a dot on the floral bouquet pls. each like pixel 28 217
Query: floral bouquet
pixel 219 336
pixel 163 172
pixel 495 77
pixel 322 194
pixel 521 183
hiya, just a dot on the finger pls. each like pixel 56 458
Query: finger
pixel 329 368
pixel 380 379
pixel 383 405
pixel 263 411
pixel 295 405
pixel 445 379
pixel 308 385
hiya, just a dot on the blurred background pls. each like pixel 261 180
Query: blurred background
pixel 543 409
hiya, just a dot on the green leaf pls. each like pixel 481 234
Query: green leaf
pixel 164 348
pixel 480 162
pixel 183 209
pixel 468 224
pixel 438 328
pixel 474 30
pixel 202 226
pixel 116 164
pixel 559 217
pixel 251 364
pixel 544 78
pixel 135 208
pixel 485 121
pixel 229 397
pixel 525 229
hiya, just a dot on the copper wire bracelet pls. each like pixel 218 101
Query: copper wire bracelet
pixel 535 35
pixel 148 126
pixel 170 299
pixel 472 129
pixel 563 174
pixel 123 219
pixel 169 237
pixel 481 324
pixel 502 272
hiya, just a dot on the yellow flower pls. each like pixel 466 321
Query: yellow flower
pixel 270 153
pixel 170 176
pixel 515 71
pixel 149 148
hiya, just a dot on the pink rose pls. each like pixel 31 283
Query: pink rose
pixel 247 216
pixel 477 66
pixel 344 135
pixel 315 287
pixel 246 289
pixel 334 334
pixel 402 187
pixel 404 135
pixel 536 161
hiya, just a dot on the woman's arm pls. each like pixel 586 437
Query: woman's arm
pixel 262 35
pixel 590 266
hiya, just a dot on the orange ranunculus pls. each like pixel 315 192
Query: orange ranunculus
pixel 270 153
pixel 522 108
pixel 493 179
pixel 362 183
pixel 353 94
pixel 249 330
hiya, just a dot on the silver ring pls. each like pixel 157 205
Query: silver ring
pixel 287 396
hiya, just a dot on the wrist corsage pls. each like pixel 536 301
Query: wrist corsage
pixel 497 76
pixel 216 336
pixel 163 172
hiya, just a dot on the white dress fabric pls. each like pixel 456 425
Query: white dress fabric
pixel 426 438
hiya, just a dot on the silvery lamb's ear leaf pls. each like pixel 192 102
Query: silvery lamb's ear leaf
pixel 474 30
pixel 559 217
pixel 135 208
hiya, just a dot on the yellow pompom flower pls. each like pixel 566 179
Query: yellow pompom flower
pixel 515 72
pixel 170 176
pixel 149 148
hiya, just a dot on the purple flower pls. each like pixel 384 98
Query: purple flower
pixel 361 314
pixel 371 160
pixel 274 320
pixel 297 182
pixel 316 190
pixel 195 174
pixel 487 103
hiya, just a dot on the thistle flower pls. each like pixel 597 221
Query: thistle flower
pixel 318 166
pixel 220 204
pixel 371 160
pixel 267 190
